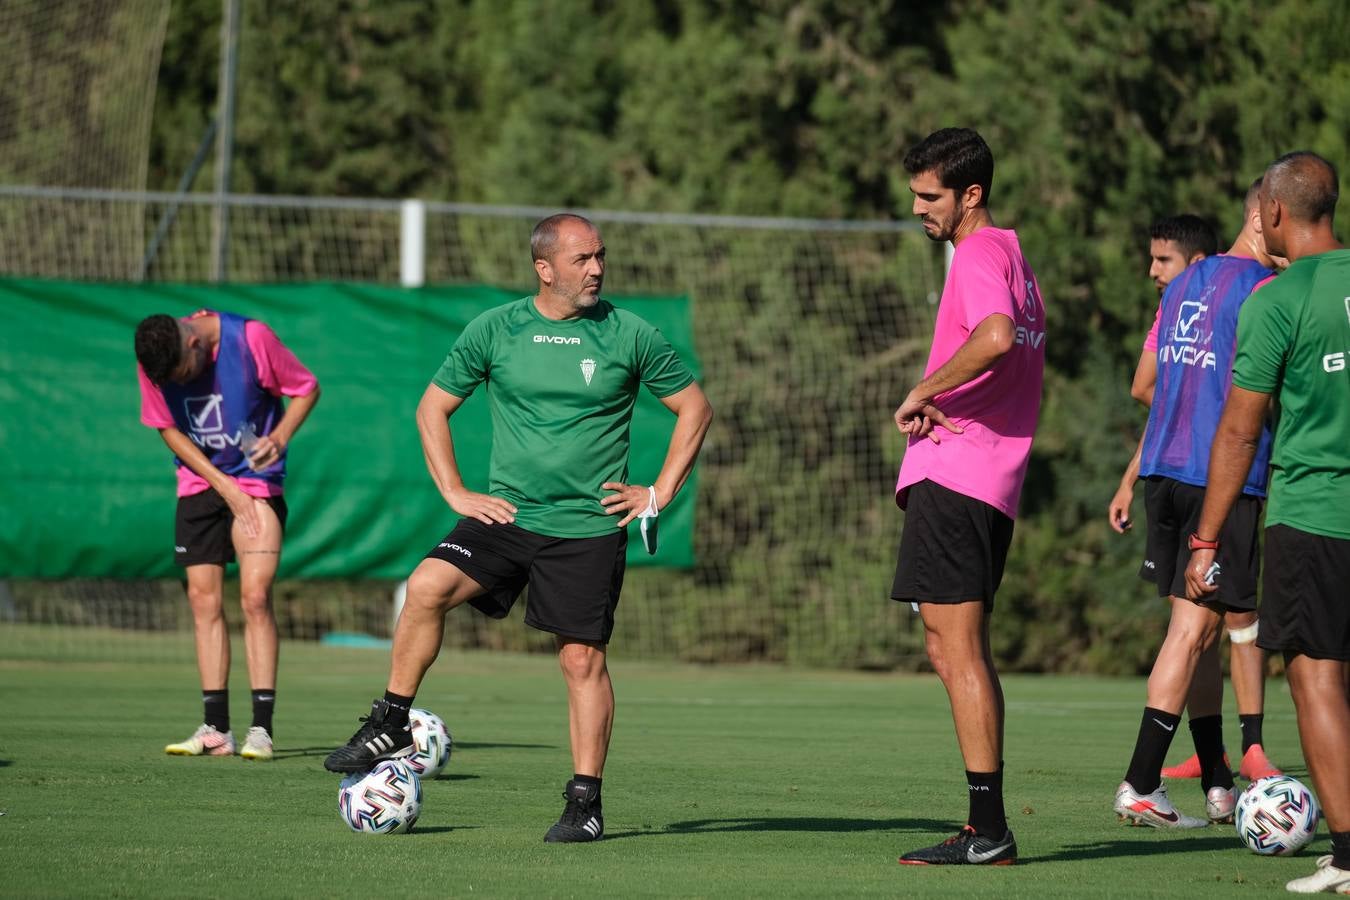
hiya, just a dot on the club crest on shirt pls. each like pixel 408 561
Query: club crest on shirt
pixel 587 369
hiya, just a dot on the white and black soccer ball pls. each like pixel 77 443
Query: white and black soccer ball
pixel 432 743
pixel 385 800
pixel 1276 816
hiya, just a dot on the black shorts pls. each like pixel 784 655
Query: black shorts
pixel 953 548
pixel 574 582
pixel 201 528
pixel 1173 509
pixel 1306 604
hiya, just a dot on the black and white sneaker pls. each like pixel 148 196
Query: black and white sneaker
pixel 968 847
pixel 582 818
pixel 373 742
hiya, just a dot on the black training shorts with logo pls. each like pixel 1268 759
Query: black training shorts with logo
pixel 574 582
pixel 953 548
pixel 1173 509
pixel 201 528
pixel 1305 606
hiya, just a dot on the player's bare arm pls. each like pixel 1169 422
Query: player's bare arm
pixel 693 415
pixel 433 416
pixel 1118 512
pixel 1145 378
pixel 271 446
pixel 987 344
pixel 241 504
pixel 1230 458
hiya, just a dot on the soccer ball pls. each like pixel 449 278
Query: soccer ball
pixel 1276 816
pixel 431 741
pixel 385 800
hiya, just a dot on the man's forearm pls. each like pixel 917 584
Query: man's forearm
pixel 193 457
pixel 691 427
pixel 986 345
pixel 1132 469
pixel 1230 458
pixel 297 410
pixel 438 449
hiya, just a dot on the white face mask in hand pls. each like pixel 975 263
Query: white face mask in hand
pixel 647 522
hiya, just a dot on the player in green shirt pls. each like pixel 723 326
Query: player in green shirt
pixel 562 370
pixel 1293 343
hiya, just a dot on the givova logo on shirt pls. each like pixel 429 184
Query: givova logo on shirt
pixel 206 422
pixel 1187 334
pixel 555 339
pixel 1335 362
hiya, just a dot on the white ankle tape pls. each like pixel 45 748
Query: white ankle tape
pixel 1244 635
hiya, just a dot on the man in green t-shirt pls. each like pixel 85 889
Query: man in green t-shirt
pixel 562 370
pixel 1293 344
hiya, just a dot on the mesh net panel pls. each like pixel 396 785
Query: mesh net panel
pixel 77 90
pixel 809 334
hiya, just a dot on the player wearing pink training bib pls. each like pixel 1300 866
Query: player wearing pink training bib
pixel 959 486
pixel 212 384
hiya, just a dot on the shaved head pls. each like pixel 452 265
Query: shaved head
pixel 1305 184
pixel 544 238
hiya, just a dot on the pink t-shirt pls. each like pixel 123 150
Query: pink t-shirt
pixel 998 410
pixel 1151 341
pixel 279 373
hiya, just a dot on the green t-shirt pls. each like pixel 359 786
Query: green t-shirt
pixel 561 395
pixel 1294 342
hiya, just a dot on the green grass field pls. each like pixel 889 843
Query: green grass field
pixel 728 781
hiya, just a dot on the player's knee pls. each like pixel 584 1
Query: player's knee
pixel 205 601
pixel 581 661
pixel 1244 630
pixel 1193 637
pixel 255 602
pixel 427 592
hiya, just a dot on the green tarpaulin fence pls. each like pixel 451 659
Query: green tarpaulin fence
pixel 87 491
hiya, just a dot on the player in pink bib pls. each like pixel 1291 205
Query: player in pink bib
pixel 212 386
pixel 970 423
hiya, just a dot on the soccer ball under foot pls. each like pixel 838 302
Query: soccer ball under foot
pixel 1276 816
pixel 385 800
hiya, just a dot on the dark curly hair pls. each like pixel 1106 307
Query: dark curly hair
pixel 159 346
pixel 958 156
pixel 1191 233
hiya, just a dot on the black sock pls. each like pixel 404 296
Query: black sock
pixel 1207 733
pixel 1340 849
pixel 1251 731
pixel 399 707
pixel 217 709
pixel 1156 731
pixel 264 701
pixel 986 803
pixel 589 779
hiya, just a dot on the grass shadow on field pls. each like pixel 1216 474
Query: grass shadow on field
pixel 1141 847
pixel 6 762
pixel 469 745
pixel 456 777
pixel 296 752
pixel 793 823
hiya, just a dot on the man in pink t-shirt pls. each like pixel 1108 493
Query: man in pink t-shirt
pixel 959 486
pixel 212 384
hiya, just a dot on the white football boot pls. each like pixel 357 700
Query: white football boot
pixel 205 741
pixel 1154 810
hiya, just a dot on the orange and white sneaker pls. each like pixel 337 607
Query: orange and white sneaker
pixel 1256 766
pixel 1190 768
pixel 1154 810
pixel 205 741
pixel 257 744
